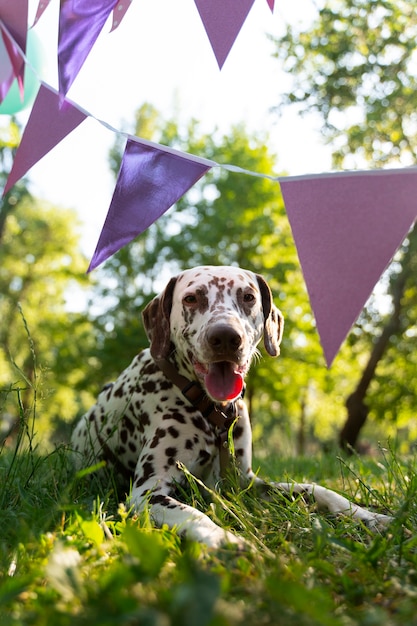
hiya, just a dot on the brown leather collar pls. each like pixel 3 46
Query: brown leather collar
pixel 222 417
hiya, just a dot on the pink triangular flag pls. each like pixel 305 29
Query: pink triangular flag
pixel 151 179
pixel 50 121
pixel 13 26
pixel 119 12
pixel 80 23
pixel 223 20
pixel 16 63
pixel 7 74
pixel 271 4
pixel 43 4
pixel 347 227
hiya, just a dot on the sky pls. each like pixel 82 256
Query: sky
pixel 161 54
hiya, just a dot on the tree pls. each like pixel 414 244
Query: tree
pixel 42 343
pixel 9 140
pixel 355 68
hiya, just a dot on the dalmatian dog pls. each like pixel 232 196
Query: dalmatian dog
pixel 177 403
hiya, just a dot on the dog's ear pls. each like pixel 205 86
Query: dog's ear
pixel 273 319
pixel 155 317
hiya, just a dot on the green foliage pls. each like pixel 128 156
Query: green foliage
pixel 70 557
pixel 9 140
pixel 355 66
pixel 39 266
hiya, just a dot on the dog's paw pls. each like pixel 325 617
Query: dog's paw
pixel 228 539
pixel 235 540
pixel 216 538
pixel 377 522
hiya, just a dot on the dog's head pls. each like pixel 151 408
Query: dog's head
pixel 210 320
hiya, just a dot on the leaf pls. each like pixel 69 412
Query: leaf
pixel 147 547
pixel 92 531
pixel 194 600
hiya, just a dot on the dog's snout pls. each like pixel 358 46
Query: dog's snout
pixel 224 338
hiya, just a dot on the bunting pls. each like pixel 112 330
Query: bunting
pixel 223 20
pixel 151 179
pixel 43 4
pixel 6 70
pixel 119 12
pixel 80 24
pixel 347 227
pixel 50 121
pixel 13 28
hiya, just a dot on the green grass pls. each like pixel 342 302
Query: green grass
pixel 71 553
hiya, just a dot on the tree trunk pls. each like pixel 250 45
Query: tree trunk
pixel 357 409
pixel 301 435
pixel 4 211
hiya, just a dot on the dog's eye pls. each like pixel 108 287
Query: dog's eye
pixel 248 297
pixel 190 299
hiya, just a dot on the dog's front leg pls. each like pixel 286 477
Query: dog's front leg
pixel 336 503
pixel 327 500
pixel 166 509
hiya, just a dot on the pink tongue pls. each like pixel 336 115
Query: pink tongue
pixel 223 382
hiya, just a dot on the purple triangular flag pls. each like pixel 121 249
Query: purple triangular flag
pixel 151 179
pixel 347 227
pixel 223 20
pixel 80 23
pixel 49 122
pixel 271 4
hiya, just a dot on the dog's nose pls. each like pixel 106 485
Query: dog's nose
pixel 223 338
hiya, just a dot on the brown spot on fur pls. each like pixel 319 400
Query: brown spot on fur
pixel 159 434
pixel 173 432
pixel 147 472
pixel 237 432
